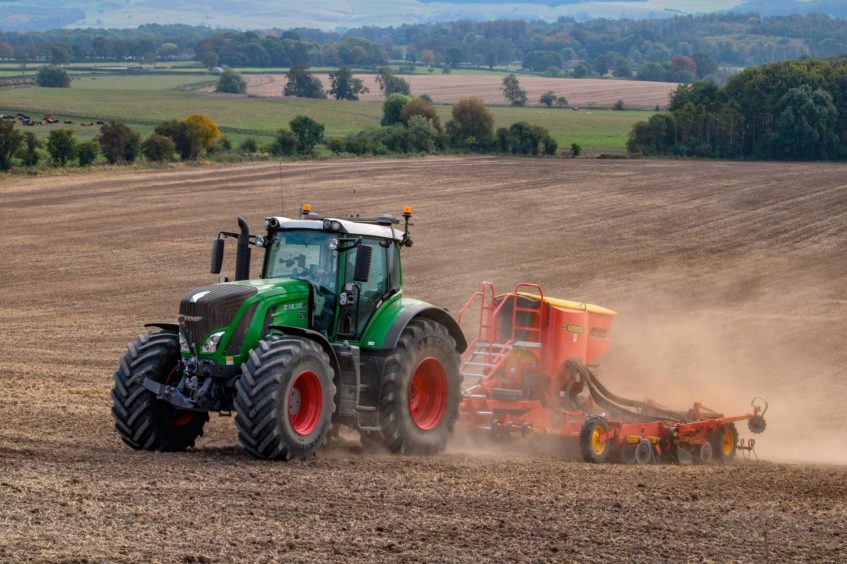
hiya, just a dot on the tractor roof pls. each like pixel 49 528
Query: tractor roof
pixel 348 226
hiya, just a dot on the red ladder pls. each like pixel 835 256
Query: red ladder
pixel 484 355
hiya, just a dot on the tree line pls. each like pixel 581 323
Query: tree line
pixel 409 125
pixel 116 142
pixel 682 48
pixel 793 110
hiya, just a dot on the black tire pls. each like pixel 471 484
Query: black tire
pixel 422 343
pixel 589 446
pixel 143 421
pixel 268 399
pixel 722 452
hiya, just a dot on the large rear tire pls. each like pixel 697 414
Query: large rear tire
pixel 285 399
pixel 420 390
pixel 143 421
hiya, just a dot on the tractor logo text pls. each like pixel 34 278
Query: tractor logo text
pixel 191 318
pixel 289 307
pixel 573 328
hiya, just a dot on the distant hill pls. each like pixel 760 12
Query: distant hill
pixel 40 15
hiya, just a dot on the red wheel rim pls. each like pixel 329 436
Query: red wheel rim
pixel 177 417
pixel 428 393
pixel 305 402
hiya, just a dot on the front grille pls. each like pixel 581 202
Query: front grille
pixel 237 337
pixel 207 308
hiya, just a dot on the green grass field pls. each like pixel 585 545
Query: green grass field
pixel 144 101
pixel 151 82
pixel 10 73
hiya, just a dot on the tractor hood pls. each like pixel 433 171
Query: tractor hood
pixel 230 306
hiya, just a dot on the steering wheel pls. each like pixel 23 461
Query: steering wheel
pixel 324 279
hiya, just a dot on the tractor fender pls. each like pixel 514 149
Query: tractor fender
pixel 169 327
pixel 314 336
pixel 426 311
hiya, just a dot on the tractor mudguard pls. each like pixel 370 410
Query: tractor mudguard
pixel 170 327
pixel 314 336
pixel 426 311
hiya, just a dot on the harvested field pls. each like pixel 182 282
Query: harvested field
pixel 446 89
pixel 729 281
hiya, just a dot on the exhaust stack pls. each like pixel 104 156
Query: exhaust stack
pixel 242 251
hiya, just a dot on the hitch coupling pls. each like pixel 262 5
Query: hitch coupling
pixel 174 396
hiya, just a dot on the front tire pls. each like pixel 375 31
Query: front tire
pixel 420 390
pixel 285 399
pixel 143 421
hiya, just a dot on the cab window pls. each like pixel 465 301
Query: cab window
pixel 366 295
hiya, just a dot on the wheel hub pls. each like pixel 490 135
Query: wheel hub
pixel 305 403
pixel 728 441
pixel 428 393
pixel 597 444
pixel 294 402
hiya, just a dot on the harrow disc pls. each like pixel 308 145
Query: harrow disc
pixel 683 456
pixel 644 452
pixel 706 453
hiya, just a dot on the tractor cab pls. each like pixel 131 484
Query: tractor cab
pixel 346 269
pixel 351 266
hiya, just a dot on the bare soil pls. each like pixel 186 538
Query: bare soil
pixel 729 280
pixel 447 89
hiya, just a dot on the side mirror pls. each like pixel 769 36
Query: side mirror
pixel 217 255
pixel 362 271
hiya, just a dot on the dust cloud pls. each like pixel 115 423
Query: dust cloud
pixel 725 336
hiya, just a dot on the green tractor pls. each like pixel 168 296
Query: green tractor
pixel 323 338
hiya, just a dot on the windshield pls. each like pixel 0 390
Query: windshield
pixel 304 255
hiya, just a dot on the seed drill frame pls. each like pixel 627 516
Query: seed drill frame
pixel 528 373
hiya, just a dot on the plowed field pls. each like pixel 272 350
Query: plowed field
pixel 729 280
pixel 447 89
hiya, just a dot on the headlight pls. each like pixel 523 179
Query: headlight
pixel 211 344
pixel 331 225
pixel 260 241
pixel 333 244
pixel 183 344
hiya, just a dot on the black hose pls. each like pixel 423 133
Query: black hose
pixel 622 407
